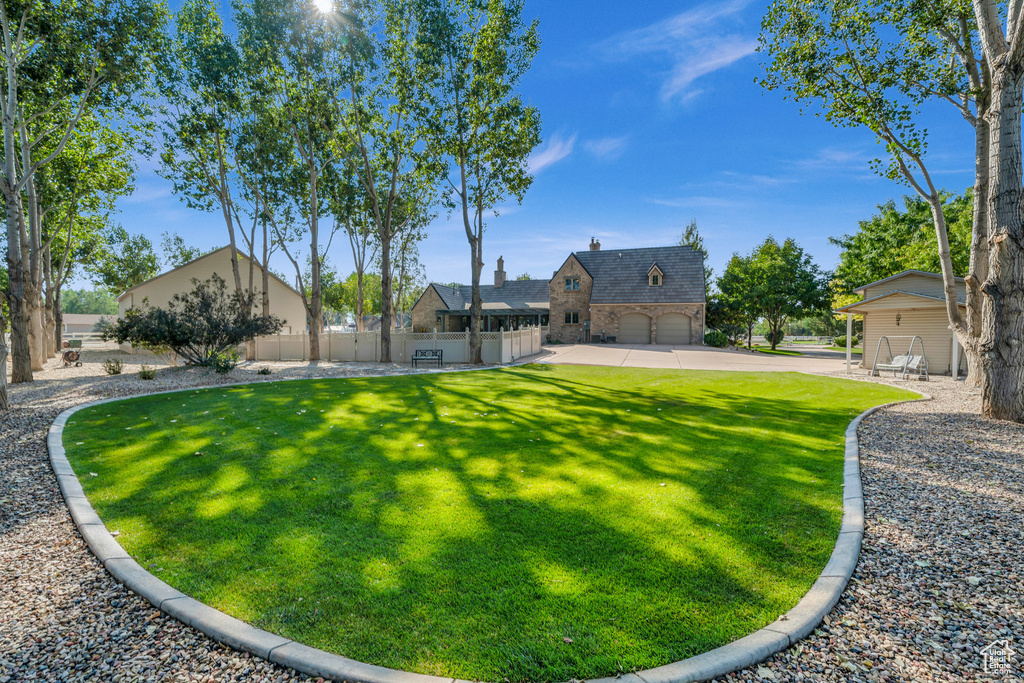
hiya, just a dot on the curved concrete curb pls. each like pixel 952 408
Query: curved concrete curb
pixel 794 625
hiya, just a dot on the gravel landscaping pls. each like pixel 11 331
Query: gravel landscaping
pixel 941 573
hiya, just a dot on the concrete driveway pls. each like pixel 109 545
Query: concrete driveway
pixel 691 358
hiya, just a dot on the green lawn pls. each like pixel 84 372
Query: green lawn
pixel 777 352
pixel 530 523
pixel 855 351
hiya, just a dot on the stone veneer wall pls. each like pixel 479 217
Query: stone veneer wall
pixel 424 316
pixel 562 301
pixel 606 317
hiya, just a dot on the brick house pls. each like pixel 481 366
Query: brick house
pixel 627 296
pixel 507 305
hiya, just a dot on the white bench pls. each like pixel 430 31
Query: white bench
pixel 903 365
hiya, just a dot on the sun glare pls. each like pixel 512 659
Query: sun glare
pixel 324 6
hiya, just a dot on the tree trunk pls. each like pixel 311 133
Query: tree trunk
pixel 977 271
pixel 35 329
pixel 1002 349
pixel 359 300
pixel 20 354
pixel 58 323
pixel 5 403
pixel 21 358
pixel 477 305
pixel 385 298
pixel 49 332
pixel 316 317
pixel 265 271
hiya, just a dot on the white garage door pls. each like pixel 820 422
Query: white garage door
pixel 634 328
pixel 674 328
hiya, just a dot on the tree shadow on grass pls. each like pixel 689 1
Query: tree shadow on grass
pixel 567 524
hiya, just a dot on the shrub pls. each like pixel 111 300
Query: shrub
pixel 147 372
pixel 113 366
pixel 264 371
pixel 164 353
pixel 774 338
pixel 224 362
pixel 841 341
pixel 200 326
pixel 716 338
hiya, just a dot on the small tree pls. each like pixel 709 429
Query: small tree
pixel 785 283
pixel 482 126
pixel 692 238
pixel 199 326
pixel 124 260
pixel 735 301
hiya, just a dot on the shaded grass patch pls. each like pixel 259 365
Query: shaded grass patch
pixel 529 523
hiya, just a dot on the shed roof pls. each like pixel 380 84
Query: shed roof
pixel 905 273
pixel 621 275
pixel 865 306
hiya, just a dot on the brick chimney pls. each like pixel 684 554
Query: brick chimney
pixel 499 274
pixel 594 245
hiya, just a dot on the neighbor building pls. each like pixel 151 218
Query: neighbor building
pixel 627 296
pixel 80 323
pixel 904 305
pixel 285 302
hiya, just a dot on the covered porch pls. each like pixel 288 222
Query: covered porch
pixel 492 319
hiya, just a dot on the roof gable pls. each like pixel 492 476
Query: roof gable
pixel 241 257
pixel 622 275
pixel 905 273
pixel 935 301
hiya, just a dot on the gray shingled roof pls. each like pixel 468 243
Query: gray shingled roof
pixel 515 294
pixel 620 275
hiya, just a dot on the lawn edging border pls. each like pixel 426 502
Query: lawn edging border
pixel 782 633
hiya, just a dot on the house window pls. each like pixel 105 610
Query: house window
pixel 572 317
pixel 655 280
pixel 572 284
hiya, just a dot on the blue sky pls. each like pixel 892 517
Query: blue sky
pixel 651 117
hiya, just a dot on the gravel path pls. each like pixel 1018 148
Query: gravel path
pixel 941 574
pixel 941 571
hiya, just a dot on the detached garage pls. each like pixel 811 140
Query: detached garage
pixel 673 328
pixel 634 328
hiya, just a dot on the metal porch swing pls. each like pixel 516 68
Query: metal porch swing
pixel 904 364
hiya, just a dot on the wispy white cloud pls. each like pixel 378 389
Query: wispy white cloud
pixel 607 148
pixel 701 201
pixel 697 42
pixel 835 159
pixel 557 149
pixel 148 192
pixel 506 210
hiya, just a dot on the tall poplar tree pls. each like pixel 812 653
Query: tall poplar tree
pixel 480 124
pixel 874 63
pixel 61 62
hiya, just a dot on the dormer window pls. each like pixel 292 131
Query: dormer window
pixel 654 276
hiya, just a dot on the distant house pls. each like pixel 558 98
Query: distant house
pixel 80 323
pixel 906 304
pixel 631 296
pixel 285 302
pixel 507 305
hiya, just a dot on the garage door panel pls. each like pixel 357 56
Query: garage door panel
pixel 634 328
pixel 674 328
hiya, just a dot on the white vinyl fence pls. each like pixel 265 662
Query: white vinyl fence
pixel 498 347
